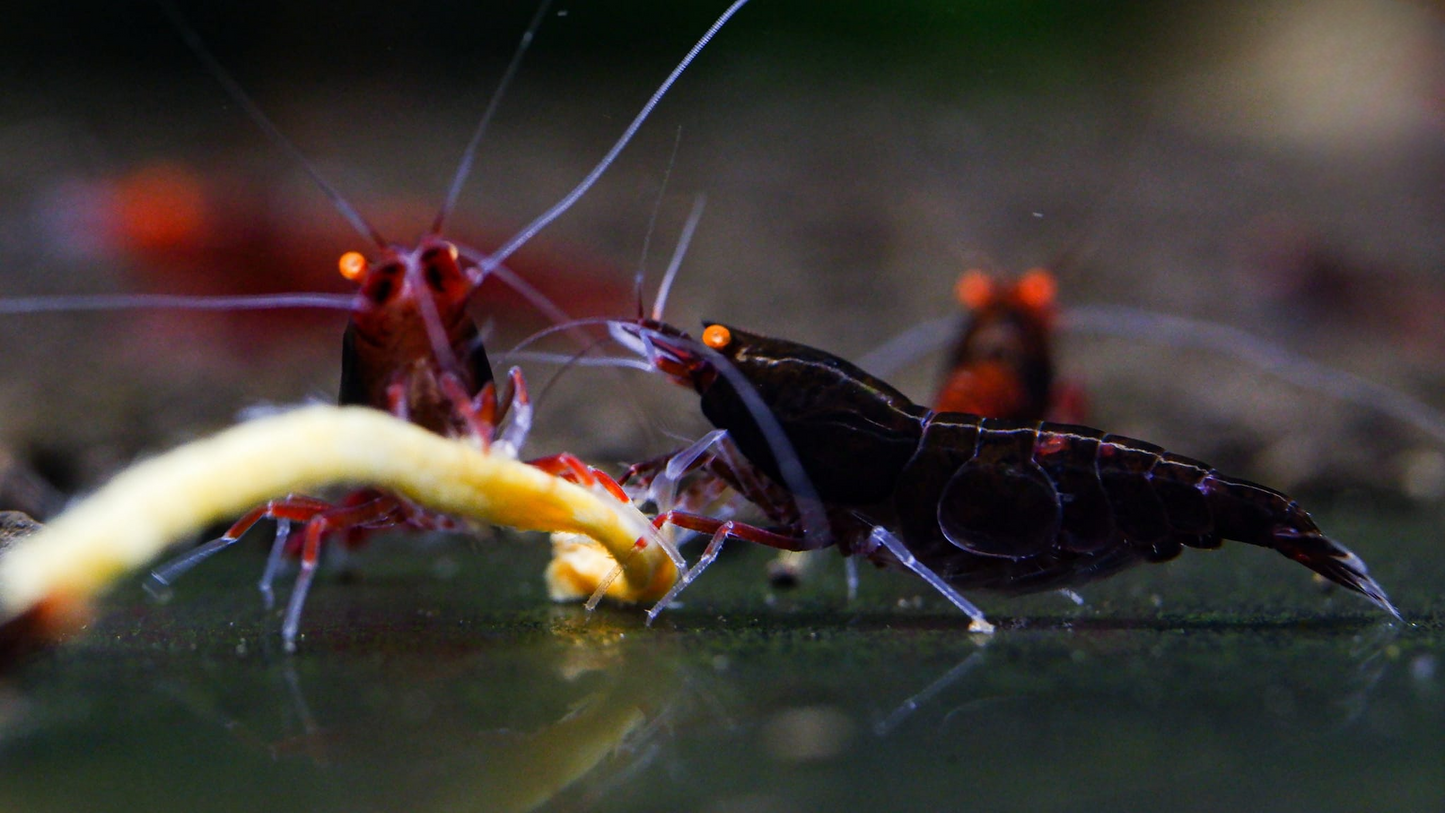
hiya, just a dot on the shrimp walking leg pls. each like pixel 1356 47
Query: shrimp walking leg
pixel 273 563
pixel 658 479
pixel 718 455
pixel 478 414
pixel 720 531
pixel 880 537
pixel 664 488
pixel 714 547
pixel 297 507
pixel 571 468
pixel 520 409
pixel 482 414
pixel 316 530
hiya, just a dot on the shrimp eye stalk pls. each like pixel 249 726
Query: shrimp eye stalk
pixel 352 265
pixel 974 290
pixel 717 337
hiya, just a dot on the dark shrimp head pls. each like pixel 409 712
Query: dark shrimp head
pixel 851 431
pixel 797 382
pixel 410 326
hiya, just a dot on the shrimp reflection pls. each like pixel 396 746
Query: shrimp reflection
pixel 480 716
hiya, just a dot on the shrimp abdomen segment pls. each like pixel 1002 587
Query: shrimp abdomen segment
pixel 1002 471
pixel 1253 513
pixel 1024 507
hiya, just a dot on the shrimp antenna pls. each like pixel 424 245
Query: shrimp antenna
pixel 543 220
pixel 652 222
pixel 571 325
pixel 683 241
pixel 575 326
pixel 513 280
pixel 1183 332
pixel 123 302
pixel 578 358
pixel 470 154
pixel 679 252
pixel 193 41
pixel 924 338
pixel 529 292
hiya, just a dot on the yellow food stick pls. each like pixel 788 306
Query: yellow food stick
pixel 158 501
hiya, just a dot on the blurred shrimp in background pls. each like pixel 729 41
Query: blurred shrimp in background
pixel 182 229
pixel 1002 363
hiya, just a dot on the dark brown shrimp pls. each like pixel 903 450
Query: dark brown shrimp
pixel 1000 365
pixel 961 500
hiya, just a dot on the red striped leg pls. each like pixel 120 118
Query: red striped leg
pixel 317 528
pixel 721 531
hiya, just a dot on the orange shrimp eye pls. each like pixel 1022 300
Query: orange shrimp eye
pixel 352 265
pixel 717 337
pixel 1037 289
pixel 974 289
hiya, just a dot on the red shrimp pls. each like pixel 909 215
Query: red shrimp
pixel 410 346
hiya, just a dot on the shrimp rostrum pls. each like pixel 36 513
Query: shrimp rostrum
pixel 834 456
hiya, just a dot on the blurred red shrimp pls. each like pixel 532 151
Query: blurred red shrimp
pixel 1002 364
pixel 188 229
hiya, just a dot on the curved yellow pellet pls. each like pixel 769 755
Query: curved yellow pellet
pixel 134 517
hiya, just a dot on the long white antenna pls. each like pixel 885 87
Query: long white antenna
pixel 530 230
pixel 123 302
pixel 470 154
pixel 193 41
pixel 685 240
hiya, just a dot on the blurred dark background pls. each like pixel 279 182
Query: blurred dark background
pixel 1275 166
